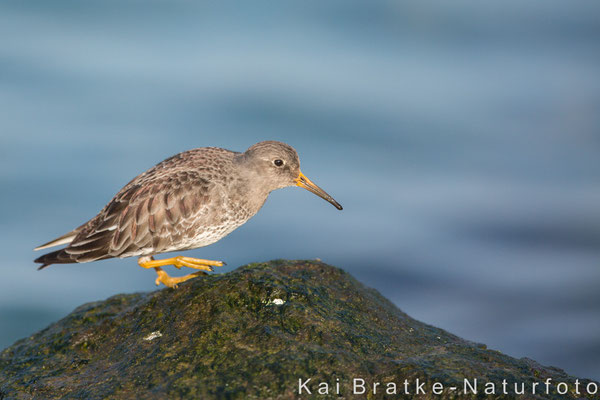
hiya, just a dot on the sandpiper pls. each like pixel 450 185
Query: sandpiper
pixel 187 201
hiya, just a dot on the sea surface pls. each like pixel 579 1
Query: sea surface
pixel 462 139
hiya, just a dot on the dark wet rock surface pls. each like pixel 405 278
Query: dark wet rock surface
pixel 253 333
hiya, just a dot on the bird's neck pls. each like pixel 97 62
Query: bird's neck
pixel 249 186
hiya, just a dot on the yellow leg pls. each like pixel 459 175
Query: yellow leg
pixel 178 262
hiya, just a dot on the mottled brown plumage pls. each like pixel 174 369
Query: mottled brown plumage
pixel 187 201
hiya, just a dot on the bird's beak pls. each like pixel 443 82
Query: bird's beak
pixel 307 184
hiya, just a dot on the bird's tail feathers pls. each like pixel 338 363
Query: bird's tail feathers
pixel 64 239
pixel 55 257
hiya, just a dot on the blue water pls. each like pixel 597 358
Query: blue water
pixel 462 139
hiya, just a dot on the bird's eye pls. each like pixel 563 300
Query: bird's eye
pixel 278 162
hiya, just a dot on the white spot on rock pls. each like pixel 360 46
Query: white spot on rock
pixel 277 302
pixel 153 335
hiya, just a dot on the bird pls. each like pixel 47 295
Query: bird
pixel 190 200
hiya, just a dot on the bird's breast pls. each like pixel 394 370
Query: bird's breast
pixel 226 212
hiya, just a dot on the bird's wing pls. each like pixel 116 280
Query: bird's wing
pixel 145 216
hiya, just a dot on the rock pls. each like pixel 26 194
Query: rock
pixel 260 331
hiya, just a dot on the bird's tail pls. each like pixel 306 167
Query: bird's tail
pixel 64 239
pixel 55 257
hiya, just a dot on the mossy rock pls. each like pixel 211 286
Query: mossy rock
pixel 254 333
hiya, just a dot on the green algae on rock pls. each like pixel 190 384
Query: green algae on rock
pixel 267 330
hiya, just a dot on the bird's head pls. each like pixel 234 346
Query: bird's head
pixel 276 165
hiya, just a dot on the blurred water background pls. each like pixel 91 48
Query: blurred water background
pixel 462 139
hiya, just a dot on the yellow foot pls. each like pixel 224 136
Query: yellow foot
pixel 180 261
pixel 172 282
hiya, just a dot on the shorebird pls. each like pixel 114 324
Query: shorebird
pixel 189 200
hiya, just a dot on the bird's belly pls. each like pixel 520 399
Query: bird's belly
pixel 203 236
pixel 208 236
